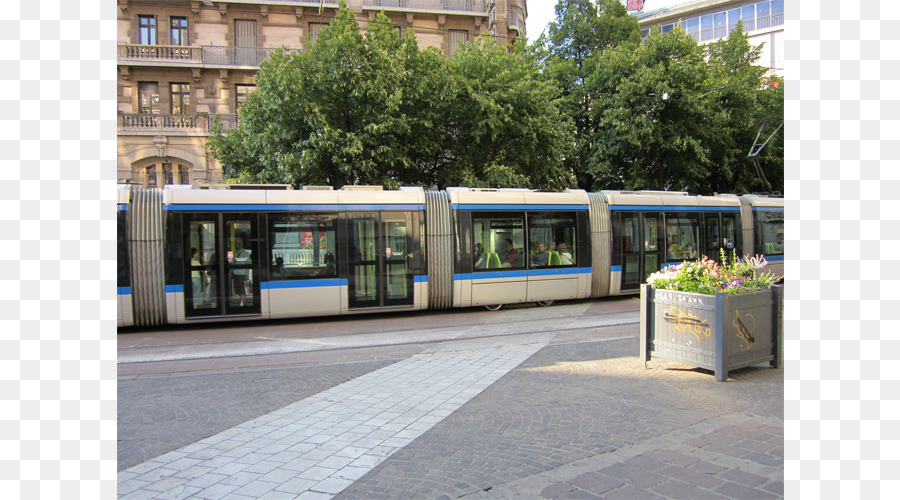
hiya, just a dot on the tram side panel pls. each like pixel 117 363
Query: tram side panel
pixel 763 219
pixel 520 246
pixel 653 230
pixel 342 252
pixel 305 276
pixel 214 243
pixel 561 221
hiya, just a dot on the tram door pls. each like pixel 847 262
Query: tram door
pixel 721 233
pixel 224 270
pixel 378 250
pixel 642 249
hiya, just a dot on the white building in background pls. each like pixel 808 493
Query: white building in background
pixel 711 20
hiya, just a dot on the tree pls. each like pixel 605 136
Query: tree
pixel 374 109
pixel 652 129
pixel 342 113
pixel 743 96
pixel 501 122
pixel 583 28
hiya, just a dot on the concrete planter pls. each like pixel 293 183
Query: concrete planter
pixel 718 332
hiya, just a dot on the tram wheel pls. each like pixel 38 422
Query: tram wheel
pixel 544 303
pixel 494 307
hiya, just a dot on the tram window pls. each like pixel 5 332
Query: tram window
pixel 302 246
pixel 552 239
pixel 769 232
pixel 502 239
pixel 713 239
pixel 682 236
pixel 729 232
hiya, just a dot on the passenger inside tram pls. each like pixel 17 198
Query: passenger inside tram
pixel 542 257
pixel 511 256
pixel 674 251
pixel 565 258
pixel 480 257
pixel 278 270
pixel 689 252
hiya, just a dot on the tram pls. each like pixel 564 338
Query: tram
pixel 206 255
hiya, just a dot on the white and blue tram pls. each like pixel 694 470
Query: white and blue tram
pixel 193 255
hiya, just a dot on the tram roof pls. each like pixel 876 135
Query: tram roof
pixel 291 197
pixel 669 198
pixel 466 196
pixel 756 200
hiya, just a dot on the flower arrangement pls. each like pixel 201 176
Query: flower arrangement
pixel 706 276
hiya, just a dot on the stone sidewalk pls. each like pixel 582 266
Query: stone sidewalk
pixel 511 417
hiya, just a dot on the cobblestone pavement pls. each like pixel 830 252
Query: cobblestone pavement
pixel 158 414
pixel 538 416
pixel 587 420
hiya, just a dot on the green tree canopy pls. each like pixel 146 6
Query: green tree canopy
pixel 662 113
pixel 375 109
pixel 583 28
pixel 652 130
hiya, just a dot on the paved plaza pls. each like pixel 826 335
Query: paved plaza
pixel 536 414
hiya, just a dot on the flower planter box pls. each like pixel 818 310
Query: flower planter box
pixel 719 332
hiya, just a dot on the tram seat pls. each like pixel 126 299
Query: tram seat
pixel 493 260
pixel 554 259
pixel 770 248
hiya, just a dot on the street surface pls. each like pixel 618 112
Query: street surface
pixel 525 402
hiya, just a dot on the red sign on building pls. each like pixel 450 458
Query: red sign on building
pixel 635 5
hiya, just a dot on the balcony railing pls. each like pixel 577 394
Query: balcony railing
pixel 199 123
pixel 477 6
pixel 160 53
pixel 234 56
pixel 207 55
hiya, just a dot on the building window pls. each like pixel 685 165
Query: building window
pixel 150 175
pixel 777 12
pixel 720 25
pixel 778 50
pixel 762 15
pixel 706 27
pixel 666 28
pixel 734 15
pixel 692 27
pixel 148 96
pixel 457 37
pixel 172 174
pixel 314 30
pixel 748 15
pixel 179 31
pixel 181 98
pixel 240 93
pixel 147 30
